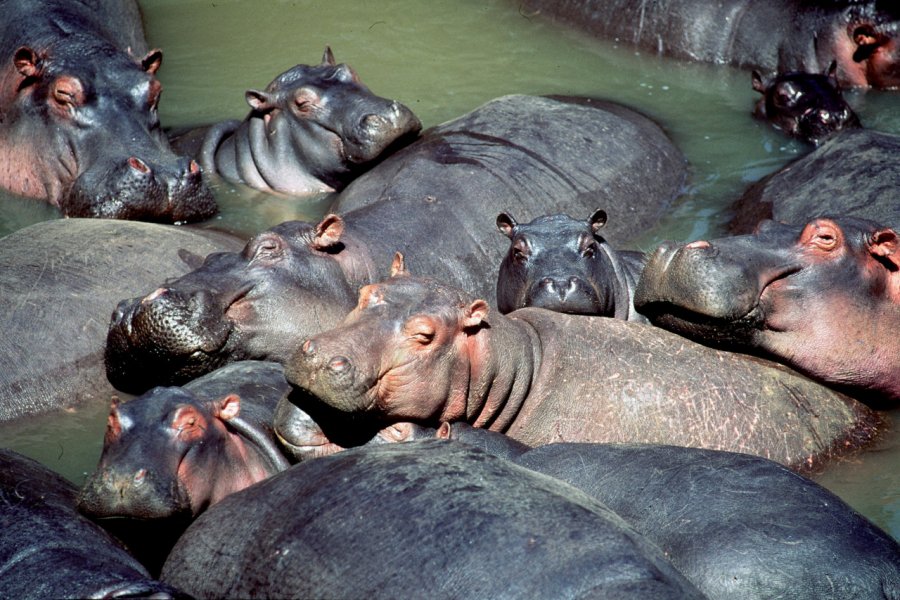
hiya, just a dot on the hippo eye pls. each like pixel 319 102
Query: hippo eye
pixel 786 95
pixel 589 250
pixel 267 248
pixel 519 251
pixel 421 331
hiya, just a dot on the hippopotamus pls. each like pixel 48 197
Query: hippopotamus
pixel 823 297
pixel 807 106
pixel 559 263
pixel 732 523
pixel 434 519
pixel 854 173
pixel 49 550
pixel 171 453
pixel 537 154
pixel 774 36
pixel 59 282
pixel 78 115
pixel 418 350
pixel 313 129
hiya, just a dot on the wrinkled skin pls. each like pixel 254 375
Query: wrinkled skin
pixel 807 106
pixel 301 278
pixel 561 264
pixel 854 174
pixel 430 519
pixel 78 115
pixel 49 550
pixel 775 37
pixel 415 350
pixel 823 298
pixel 313 129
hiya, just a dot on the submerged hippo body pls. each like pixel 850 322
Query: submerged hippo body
pixel 78 115
pixel 775 36
pixel 430 519
pixel 311 130
pixel 854 173
pixel 58 284
pixel 823 298
pixel 48 550
pixel 416 350
pixel 559 263
pixel 301 278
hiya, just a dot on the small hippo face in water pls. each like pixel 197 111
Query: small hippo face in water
pixel 824 298
pixel 311 130
pixel 807 106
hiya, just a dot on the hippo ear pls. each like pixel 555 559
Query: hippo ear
pixel 328 232
pixel 475 314
pixel 193 260
pixel 398 432
pixel 27 62
pixel 758 84
pixel 506 224
pixel 259 101
pixel 597 220
pixel 884 243
pixel 113 422
pixel 867 41
pixel 152 61
pixel 228 407
pixel 398 267
pixel 328 57
pixel 445 431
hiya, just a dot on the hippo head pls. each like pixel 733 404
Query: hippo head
pixel 286 284
pixel 557 263
pixel 401 354
pixel 322 121
pixel 84 134
pixel 807 106
pixel 820 297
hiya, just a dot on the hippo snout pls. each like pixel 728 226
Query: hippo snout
pixel 571 295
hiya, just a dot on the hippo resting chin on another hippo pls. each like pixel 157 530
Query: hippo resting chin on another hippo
pixel 416 350
pixel 775 35
pixel 78 120
pixel 430 519
pixel 58 282
pixel 311 130
pixel 444 191
pixel 823 298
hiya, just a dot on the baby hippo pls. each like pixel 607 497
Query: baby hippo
pixel 562 264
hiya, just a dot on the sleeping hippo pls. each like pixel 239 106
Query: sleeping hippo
pixel 559 263
pixel 823 298
pixel 807 106
pixel 538 155
pixel 417 350
pixel 773 36
pixel 312 130
pixel 78 115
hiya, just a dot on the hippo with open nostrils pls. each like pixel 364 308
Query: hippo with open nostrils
pixel 774 36
pixel 429 519
pixel 853 173
pixel 49 550
pixel 417 350
pixel 807 106
pixel 823 298
pixel 561 264
pixel 78 115
pixel 536 154
pixel 311 130
pixel 59 280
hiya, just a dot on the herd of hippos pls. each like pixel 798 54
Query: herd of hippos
pixel 591 423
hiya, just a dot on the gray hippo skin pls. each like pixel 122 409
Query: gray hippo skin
pixel 773 36
pixel 58 284
pixel 431 519
pixel 301 278
pixel 807 106
pixel 853 173
pixel 416 350
pixel 559 263
pixel 78 115
pixel 823 298
pixel 48 550
pixel 313 129
pixel 737 526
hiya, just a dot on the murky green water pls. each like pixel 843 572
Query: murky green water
pixel 443 58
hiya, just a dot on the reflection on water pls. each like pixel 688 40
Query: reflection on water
pixel 443 58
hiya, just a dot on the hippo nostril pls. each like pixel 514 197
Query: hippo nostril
pixel 339 364
pixel 308 348
pixel 193 167
pixel 373 122
pixel 547 282
pixel 138 165
pixel 139 476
